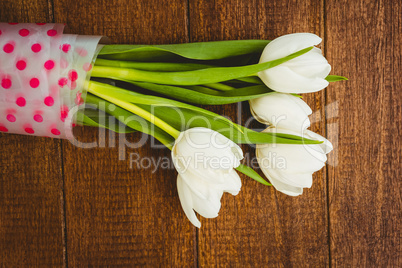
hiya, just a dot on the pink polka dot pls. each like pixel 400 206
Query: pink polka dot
pixel 64 112
pixel 40 23
pixel 72 85
pixel 55 131
pixel 87 67
pixel 8 48
pixel 29 130
pixel 21 102
pixel 38 118
pixel 81 51
pixel 21 65
pixel 36 48
pixel 11 118
pixel 63 81
pixel 23 32
pixel 72 75
pixel 65 48
pixel 34 82
pixel 6 83
pixel 3 129
pixel 49 101
pixel 51 32
pixel 78 99
pixel 49 64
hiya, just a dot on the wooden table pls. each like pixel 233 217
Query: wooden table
pixel 65 206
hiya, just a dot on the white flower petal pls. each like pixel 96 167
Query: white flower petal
pixel 303 74
pixel 187 201
pixel 276 182
pixel 292 158
pixel 208 208
pixel 288 44
pixel 205 160
pixel 304 180
pixel 285 188
pixel 206 150
pixel 311 65
pixel 197 184
pixel 282 79
pixel 304 106
pixel 281 110
pixel 294 172
pixel 232 183
pixel 326 146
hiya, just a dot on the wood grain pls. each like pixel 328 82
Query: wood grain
pixel 62 205
pixel 119 215
pixel 365 186
pixel 262 227
pixel 30 180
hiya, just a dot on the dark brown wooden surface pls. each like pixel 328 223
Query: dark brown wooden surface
pixel 31 181
pixel 365 186
pixel 61 205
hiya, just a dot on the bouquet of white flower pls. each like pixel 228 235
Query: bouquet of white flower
pixel 50 81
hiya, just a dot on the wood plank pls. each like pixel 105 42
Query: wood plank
pixel 364 43
pixel 30 180
pixel 262 227
pixel 117 215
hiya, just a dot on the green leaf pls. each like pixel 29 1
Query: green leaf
pixel 199 51
pixel 208 96
pixel 196 77
pixel 134 97
pixel 152 66
pixel 252 174
pixel 335 78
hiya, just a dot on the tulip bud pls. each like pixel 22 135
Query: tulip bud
pixel 282 111
pixel 205 160
pixel 302 74
pixel 290 167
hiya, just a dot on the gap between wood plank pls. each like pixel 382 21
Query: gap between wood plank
pixel 324 33
pixel 196 238
pixel 62 183
pixel 63 207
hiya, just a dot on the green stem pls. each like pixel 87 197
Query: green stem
pixel 219 86
pixel 124 117
pixel 92 88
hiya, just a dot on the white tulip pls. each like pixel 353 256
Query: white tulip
pixel 302 74
pixel 281 110
pixel 205 160
pixel 289 167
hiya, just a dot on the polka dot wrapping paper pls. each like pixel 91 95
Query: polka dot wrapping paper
pixel 42 74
